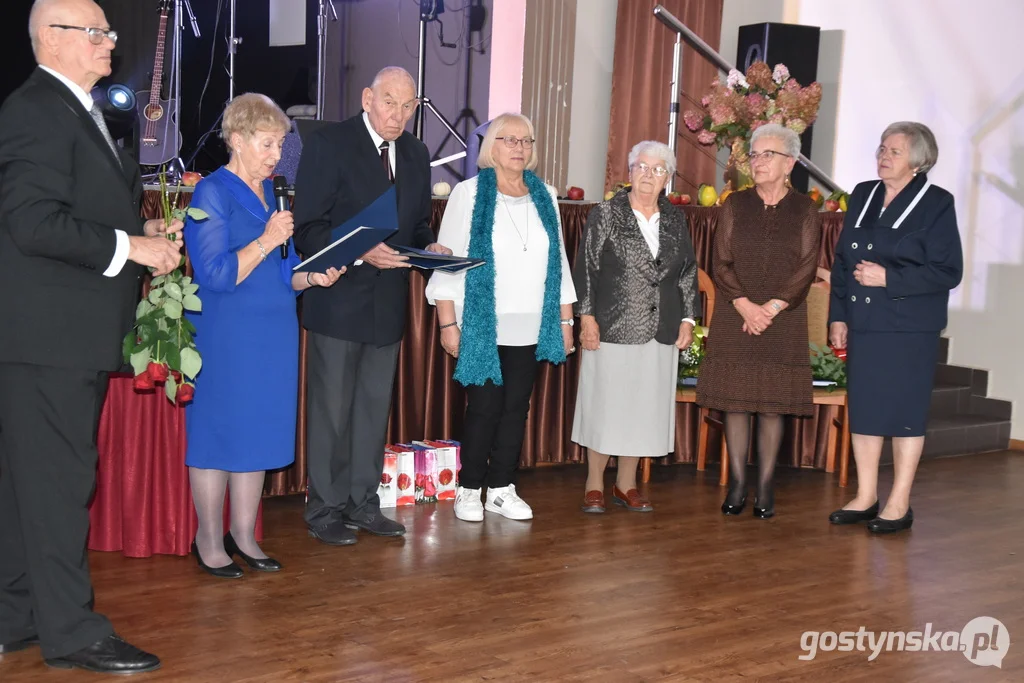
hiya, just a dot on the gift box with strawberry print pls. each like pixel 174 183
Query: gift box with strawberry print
pixel 426 472
pixel 387 490
pixel 447 464
pixel 405 473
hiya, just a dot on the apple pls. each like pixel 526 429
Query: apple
pixel 675 198
pixel 685 199
pixel 191 178
pixel 575 193
pixel 831 205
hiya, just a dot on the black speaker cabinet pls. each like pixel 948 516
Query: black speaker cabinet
pixel 790 44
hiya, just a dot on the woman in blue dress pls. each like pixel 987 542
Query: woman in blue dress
pixel 243 417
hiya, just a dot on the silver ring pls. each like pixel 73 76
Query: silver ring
pixel 572 349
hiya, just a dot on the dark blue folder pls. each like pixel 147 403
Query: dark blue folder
pixel 427 260
pixel 356 236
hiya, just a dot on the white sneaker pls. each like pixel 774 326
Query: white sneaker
pixel 468 507
pixel 506 502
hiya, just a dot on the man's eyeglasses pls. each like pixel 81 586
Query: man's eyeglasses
pixel 511 141
pixel 643 168
pixel 767 155
pixel 96 35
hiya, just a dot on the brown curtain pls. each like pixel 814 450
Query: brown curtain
pixel 428 404
pixel 641 85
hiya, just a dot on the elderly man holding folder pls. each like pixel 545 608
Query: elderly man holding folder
pixel 356 326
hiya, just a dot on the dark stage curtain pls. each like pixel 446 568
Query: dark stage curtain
pixel 428 404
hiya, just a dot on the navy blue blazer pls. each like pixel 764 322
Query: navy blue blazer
pixel 916 240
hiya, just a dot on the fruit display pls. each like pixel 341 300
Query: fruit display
pixel 679 199
pixel 575 193
pixel 722 197
pixel 191 178
pixel 707 195
pixel 442 189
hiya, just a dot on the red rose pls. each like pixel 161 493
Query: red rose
pixel 421 480
pixel 429 491
pixel 403 481
pixel 839 353
pixel 385 478
pixel 143 382
pixel 185 393
pixel 158 371
pixel 445 477
pixel 176 375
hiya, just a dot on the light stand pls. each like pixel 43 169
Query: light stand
pixel 428 12
pixel 325 12
pixel 233 43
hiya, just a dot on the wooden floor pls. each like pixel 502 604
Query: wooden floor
pixel 682 594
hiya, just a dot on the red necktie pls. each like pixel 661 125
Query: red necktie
pixel 386 160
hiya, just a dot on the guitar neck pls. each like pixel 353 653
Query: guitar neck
pixel 158 62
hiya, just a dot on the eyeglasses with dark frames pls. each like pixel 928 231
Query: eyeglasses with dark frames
pixel 96 35
pixel 767 155
pixel 511 141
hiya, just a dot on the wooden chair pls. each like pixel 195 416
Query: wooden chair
pixel 689 394
pixel 839 426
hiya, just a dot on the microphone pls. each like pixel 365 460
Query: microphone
pixel 281 194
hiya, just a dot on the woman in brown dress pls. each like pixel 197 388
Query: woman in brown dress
pixel 758 358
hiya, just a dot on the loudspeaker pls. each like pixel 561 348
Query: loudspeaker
pixel 796 47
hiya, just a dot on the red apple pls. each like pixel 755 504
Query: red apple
pixel 831 205
pixel 191 178
pixel 575 194
pixel 675 198
pixel 685 199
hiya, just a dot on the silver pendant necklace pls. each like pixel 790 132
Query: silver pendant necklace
pixel 509 211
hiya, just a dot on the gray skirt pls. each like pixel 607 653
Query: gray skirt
pixel 626 399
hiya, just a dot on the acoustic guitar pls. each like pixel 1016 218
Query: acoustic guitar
pixel 160 138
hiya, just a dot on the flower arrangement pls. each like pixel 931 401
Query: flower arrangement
pixel 691 357
pixel 732 110
pixel 829 365
pixel 160 347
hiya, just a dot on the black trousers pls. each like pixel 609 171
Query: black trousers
pixel 496 421
pixel 48 423
pixel 349 400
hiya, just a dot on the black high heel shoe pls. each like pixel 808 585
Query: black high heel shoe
pixel 764 513
pixel 228 571
pixel 260 565
pixel 729 509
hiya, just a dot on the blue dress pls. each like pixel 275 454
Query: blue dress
pixel 243 416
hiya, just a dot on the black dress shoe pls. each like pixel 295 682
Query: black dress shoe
pixel 228 571
pixel 375 523
pixel 333 533
pixel 728 509
pixel 889 526
pixel 763 513
pixel 266 564
pixel 15 646
pixel 108 656
pixel 854 516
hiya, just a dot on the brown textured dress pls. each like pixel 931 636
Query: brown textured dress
pixel 761 253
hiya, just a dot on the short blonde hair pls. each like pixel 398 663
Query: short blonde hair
pixel 252 112
pixel 486 158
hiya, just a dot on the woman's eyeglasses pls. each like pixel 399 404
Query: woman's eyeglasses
pixel 96 35
pixel 511 141
pixel 766 155
pixel 643 168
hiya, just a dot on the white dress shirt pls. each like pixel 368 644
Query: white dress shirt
pixel 123 245
pixel 651 230
pixel 378 140
pixel 519 275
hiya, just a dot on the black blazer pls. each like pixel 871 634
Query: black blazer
pixel 634 296
pixel 340 173
pixel 62 195
pixel 922 257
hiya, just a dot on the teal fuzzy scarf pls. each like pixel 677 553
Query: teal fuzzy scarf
pixel 478 350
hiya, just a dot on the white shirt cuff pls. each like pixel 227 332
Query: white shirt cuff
pixel 120 254
pixel 358 262
pixel 691 321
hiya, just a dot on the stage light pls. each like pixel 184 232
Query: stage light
pixel 121 97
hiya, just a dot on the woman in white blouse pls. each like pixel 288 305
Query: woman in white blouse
pixel 500 319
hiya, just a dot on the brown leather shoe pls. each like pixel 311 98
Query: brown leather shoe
pixel 593 502
pixel 631 500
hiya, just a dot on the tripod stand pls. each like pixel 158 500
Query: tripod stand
pixel 428 12
pixel 325 12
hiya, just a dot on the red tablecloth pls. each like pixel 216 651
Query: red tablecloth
pixel 143 502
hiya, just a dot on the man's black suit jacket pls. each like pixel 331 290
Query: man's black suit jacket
pixel 62 196
pixel 340 173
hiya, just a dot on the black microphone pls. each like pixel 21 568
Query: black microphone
pixel 281 194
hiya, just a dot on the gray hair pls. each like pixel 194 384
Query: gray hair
pixel 924 150
pixel 35 19
pixel 653 148
pixel 790 140
pixel 391 72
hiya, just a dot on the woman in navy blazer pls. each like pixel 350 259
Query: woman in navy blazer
pixel 898 257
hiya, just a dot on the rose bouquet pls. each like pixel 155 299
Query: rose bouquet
pixel 160 347
pixel 732 110
pixel 829 365
pixel 691 357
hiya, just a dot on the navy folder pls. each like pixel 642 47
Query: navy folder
pixel 426 260
pixel 356 236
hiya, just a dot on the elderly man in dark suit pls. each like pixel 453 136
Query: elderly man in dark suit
pixel 356 326
pixel 72 251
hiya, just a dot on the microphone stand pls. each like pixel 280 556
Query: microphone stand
pixel 233 43
pixel 326 11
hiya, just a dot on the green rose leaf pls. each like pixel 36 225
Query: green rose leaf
pixel 191 363
pixel 172 355
pixel 147 333
pixel 155 294
pixel 173 291
pixel 172 309
pixel 143 308
pixel 171 388
pixel 197 214
pixel 140 361
pixel 192 303
pixel 128 346
pixel 157 281
pixel 188 287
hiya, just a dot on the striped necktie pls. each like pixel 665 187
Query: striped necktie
pixel 97 116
